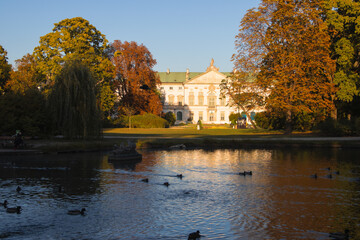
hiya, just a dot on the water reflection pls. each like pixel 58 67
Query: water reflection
pixel 279 201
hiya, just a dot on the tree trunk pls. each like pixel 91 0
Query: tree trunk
pixel 288 127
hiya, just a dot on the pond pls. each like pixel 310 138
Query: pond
pixel 280 200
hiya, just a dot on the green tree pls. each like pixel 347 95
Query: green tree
pixel 24 111
pixel 73 102
pixel 107 100
pixel 5 69
pixel 73 39
pixel 170 117
pixel 343 19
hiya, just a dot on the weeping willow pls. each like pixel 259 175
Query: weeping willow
pixel 73 103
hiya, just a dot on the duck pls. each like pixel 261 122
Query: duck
pixel 14 210
pixel 145 180
pixel 194 235
pixel 340 235
pixel 18 189
pixel 166 184
pixel 77 212
pixel 337 172
pixel 329 176
pixel 179 176
pixel 242 173
pixel 314 176
pixel 248 173
pixel 4 204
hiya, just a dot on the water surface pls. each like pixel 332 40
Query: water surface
pixel 279 201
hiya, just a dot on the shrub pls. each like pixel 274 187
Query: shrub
pixel 148 121
pixel 170 117
pixel 331 127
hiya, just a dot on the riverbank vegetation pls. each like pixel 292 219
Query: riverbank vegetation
pixel 301 58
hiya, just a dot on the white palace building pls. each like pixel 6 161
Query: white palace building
pixel 194 96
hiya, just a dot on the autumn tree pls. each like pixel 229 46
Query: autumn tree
pixel 26 75
pixel 243 93
pixel 5 69
pixel 293 57
pixel 343 18
pixel 73 104
pixel 135 80
pixel 71 39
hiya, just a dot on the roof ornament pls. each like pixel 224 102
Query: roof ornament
pixel 212 67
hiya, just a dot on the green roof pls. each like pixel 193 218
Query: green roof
pixel 179 77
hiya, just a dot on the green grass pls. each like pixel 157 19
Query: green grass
pixel 188 132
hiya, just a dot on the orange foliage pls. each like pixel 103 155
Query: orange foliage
pixel 133 69
pixel 26 76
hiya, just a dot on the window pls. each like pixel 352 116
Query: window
pixel 211 117
pixel 179 116
pixel 223 101
pixel 161 88
pixel 191 99
pixel 212 101
pixel 180 88
pixel 180 100
pixel 201 99
pixel 201 116
pixel 222 116
pixel 171 88
pixel 171 99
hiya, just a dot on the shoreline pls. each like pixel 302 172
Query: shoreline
pixel 57 146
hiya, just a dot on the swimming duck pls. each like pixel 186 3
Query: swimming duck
pixel 242 173
pixel 194 235
pixel 18 189
pixel 340 235
pixel 329 176
pixel 179 176
pixel 77 212
pixel 4 204
pixel 14 210
pixel 166 184
pixel 337 172
pixel 248 173
pixel 314 175
pixel 145 180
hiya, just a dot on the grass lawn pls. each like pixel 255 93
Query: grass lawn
pixel 191 132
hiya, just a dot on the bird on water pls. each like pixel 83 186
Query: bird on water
pixel 194 235
pixel 77 212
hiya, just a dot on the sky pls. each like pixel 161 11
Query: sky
pixel 180 34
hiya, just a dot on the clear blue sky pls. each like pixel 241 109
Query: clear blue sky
pixel 180 34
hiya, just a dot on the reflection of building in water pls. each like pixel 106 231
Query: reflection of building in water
pixel 194 96
pixel 228 160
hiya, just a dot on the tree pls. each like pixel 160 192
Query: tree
pixel 24 111
pixel 293 61
pixel 73 102
pixel 343 18
pixel 170 117
pixel 107 100
pixel 133 70
pixel 26 76
pixel 243 92
pixel 5 69
pixel 73 39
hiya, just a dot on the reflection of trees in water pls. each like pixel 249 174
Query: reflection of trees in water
pixel 75 173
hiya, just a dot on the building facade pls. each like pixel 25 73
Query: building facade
pixel 195 96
